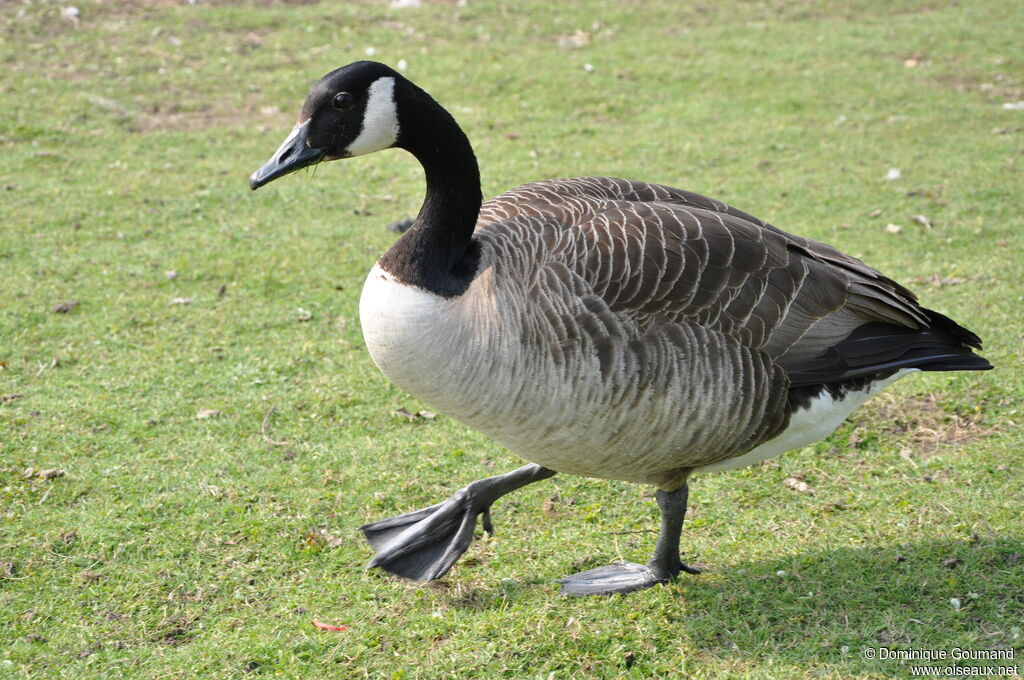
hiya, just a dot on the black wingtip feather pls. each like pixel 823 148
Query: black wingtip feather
pixel 880 348
pixel 944 323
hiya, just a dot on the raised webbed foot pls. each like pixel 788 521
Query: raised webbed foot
pixel 423 545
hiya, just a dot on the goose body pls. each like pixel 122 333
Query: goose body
pixel 604 327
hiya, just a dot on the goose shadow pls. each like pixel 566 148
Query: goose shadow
pixel 828 607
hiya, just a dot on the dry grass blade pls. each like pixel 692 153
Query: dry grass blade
pixel 265 430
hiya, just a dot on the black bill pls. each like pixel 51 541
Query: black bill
pixel 292 155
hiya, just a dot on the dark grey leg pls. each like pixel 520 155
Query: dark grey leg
pixel 423 545
pixel 666 553
pixel 665 565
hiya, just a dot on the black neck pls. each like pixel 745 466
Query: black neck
pixel 438 252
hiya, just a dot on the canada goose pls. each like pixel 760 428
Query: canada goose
pixel 603 327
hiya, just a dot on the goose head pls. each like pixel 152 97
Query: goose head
pixel 366 107
pixel 351 111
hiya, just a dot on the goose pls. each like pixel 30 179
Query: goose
pixel 602 327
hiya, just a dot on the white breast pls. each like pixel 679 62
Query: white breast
pixel 407 332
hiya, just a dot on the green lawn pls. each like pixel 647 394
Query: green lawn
pixel 171 545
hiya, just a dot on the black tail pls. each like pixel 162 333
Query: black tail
pixel 880 348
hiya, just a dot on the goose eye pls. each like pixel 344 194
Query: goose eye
pixel 343 101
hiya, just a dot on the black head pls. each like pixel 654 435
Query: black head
pixel 349 112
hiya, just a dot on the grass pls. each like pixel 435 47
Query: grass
pixel 174 546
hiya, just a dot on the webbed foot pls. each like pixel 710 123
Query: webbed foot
pixel 423 545
pixel 619 577
pixel 625 577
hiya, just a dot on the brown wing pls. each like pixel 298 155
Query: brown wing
pixel 661 256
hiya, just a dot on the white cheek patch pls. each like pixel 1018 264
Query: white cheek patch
pixel 380 120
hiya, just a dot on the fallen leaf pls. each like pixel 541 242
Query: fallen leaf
pixel 171 274
pixel 875 213
pixel 304 314
pixel 327 626
pixel 181 301
pixel 797 485
pixel 1014 106
pixel 893 228
pixel 923 220
pixel 207 413
pixel 51 473
pixel 222 289
pixel 320 538
pixel 893 173
pixel 410 416
pixel 89 576
pixel 210 489
pixel 577 39
pixel 6 398
pixel 64 307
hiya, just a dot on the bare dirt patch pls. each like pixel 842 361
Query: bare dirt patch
pixel 999 86
pixel 924 423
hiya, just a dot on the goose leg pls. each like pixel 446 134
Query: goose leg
pixel 625 577
pixel 423 545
